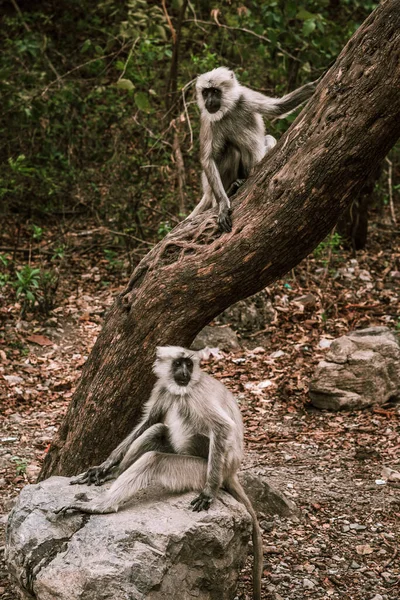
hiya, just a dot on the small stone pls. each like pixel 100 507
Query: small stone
pixel 277 354
pixel 377 597
pixel 357 526
pixel 267 525
pixel 324 343
pixel 355 565
pixel 308 584
pixel 13 379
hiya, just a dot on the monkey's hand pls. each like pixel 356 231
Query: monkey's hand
pixel 225 220
pixel 97 475
pixel 202 502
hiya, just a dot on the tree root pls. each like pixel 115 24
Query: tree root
pixel 184 239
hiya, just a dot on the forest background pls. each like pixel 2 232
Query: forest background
pixel 99 160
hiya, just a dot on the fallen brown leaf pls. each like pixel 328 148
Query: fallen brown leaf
pixel 41 340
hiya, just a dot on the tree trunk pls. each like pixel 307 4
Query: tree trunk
pixel 353 223
pixel 285 209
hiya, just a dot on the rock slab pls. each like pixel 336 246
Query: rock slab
pixel 360 369
pixel 154 549
pixel 264 497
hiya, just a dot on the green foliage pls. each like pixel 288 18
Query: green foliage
pixel 113 258
pixel 331 244
pixel 26 284
pixel 34 287
pixel 164 228
pixel 85 120
pixel 4 274
pixel 20 464
pixel 37 232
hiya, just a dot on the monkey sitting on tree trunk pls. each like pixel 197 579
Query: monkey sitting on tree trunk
pixel 190 438
pixel 232 135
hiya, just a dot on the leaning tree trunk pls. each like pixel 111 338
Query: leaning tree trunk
pixel 285 209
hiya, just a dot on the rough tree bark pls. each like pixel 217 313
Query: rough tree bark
pixel 285 209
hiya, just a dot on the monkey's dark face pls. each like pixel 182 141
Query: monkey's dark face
pixel 182 369
pixel 212 99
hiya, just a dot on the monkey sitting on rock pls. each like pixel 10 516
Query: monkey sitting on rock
pixel 190 438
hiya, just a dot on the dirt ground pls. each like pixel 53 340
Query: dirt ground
pixel 344 544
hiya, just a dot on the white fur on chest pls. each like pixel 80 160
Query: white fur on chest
pixel 181 429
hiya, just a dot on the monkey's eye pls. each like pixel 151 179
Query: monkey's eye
pixel 211 92
pixel 189 363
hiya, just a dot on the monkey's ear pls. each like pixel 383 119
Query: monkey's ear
pixel 160 351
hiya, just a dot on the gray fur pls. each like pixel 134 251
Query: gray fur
pixel 232 140
pixel 190 438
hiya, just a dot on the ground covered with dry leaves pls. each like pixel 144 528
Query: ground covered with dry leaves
pixel 345 542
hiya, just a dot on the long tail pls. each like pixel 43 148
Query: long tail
pixel 236 490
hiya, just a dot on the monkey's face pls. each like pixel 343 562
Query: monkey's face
pixel 212 99
pixel 182 369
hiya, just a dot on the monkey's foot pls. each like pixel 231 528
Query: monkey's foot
pixel 64 509
pixel 84 508
pixel 225 220
pixel 235 186
pixel 202 502
pixel 96 475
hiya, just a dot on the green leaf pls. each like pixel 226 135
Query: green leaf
pixel 142 101
pixel 125 84
pixel 120 65
pixel 304 15
pixel 86 46
pixel 308 27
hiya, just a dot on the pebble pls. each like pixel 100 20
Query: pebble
pixel 377 597
pixel 267 525
pixel 357 526
pixel 308 584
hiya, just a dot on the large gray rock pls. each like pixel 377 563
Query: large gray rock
pixel 360 369
pixel 156 548
pixel 264 497
pixel 223 338
pixel 249 315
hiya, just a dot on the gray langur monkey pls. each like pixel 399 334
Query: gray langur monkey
pixel 190 438
pixel 232 135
